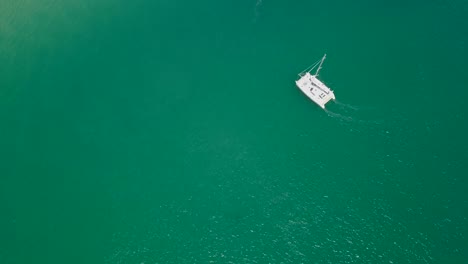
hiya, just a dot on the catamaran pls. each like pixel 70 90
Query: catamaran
pixel 311 86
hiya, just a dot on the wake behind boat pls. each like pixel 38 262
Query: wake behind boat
pixel 311 86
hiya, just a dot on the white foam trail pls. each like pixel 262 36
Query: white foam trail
pixel 348 106
pixel 351 114
pixel 258 4
pixel 339 116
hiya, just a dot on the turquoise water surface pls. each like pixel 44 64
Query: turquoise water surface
pixel 172 132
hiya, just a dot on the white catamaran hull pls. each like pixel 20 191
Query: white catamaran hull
pixel 315 89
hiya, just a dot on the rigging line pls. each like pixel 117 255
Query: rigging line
pixel 311 67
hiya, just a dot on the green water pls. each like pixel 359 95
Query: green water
pixel 172 132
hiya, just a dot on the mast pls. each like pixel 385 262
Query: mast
pixel 320 66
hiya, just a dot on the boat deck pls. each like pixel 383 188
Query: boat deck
pixel 316 90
